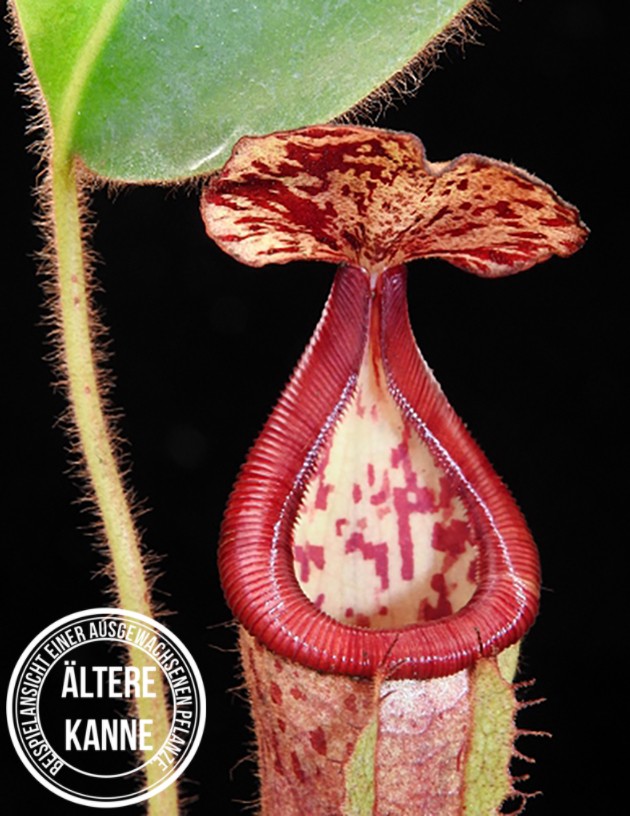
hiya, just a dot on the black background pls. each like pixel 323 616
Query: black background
pixel 201 348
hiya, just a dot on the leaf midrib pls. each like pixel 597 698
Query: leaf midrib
pixel 88 56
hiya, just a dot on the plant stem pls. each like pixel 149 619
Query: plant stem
pixel 94 435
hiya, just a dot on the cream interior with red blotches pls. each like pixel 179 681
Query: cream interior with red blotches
pixel 382 539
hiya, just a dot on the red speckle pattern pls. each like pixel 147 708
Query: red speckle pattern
pixel 307 555
pixel 403 522
pixel 370 198
pixel 317 739
pixel 308 763
pixel 297 768
pixel 276 693
pixel 297 694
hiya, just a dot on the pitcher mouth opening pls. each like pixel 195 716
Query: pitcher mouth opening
pixel 383 538
pixel 391 545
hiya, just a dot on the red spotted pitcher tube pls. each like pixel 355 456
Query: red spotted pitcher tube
pixel 382 574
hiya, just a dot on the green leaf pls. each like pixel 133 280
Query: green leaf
pixel 360 774
pixel 161 89
pixel 487 779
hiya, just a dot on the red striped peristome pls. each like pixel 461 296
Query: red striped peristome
pixel 256 551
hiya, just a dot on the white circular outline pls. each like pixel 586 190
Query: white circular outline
pixel 178 769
